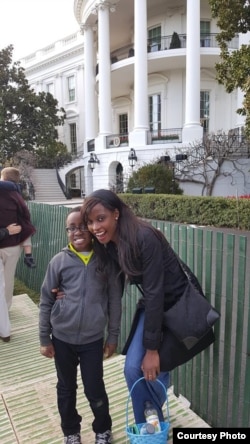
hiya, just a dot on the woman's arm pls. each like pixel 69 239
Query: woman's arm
pixel 152 283
pixel 115 291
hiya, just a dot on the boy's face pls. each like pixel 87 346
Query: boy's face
pixel 81 240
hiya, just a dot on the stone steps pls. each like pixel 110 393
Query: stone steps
pixel 47 188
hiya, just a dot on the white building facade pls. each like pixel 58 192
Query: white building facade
pixel 138 82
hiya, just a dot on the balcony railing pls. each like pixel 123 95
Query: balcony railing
pixel 116 140
pixel 165 136
pixel 231 145
pixel 170 42
pixel 156 136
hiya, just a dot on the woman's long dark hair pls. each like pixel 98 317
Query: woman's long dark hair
pixel 128 225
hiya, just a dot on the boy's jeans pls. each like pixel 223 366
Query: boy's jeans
pixel 89 357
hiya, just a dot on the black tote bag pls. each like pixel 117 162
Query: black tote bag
pixel 174 353
pixel 187 326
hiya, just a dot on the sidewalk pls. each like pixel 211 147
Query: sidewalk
pixel 28 411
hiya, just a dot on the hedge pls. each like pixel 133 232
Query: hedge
pixel 209 211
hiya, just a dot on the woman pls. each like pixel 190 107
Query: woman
pixel 146 259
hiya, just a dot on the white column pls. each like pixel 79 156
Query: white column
pixel 90 104
pixel 244 39
pixel 192 129
pixel 138 137
pixel 105 114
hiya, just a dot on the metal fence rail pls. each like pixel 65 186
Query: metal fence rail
pixel 216 382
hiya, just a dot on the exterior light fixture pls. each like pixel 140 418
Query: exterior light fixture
pixel 164 159
pixel 93 160
pixel 180 157
pixel 132 158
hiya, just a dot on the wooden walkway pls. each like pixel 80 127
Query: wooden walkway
pixel 28 410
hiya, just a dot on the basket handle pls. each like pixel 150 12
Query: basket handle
pixel 130 393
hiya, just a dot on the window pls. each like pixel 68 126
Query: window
pixel 155 112
pixel 71 89
pixel 123 124
pixel 119 179
pixel 204 109
pixel 154 39
pixel 50 88
pixel 205 33
pixel 73 138
pixel 73 180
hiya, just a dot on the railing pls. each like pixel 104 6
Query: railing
pixel 116 140
pixel 232 145
pixel 62 186
pixel 169 135
pixel 156 136
pixel 170 42
pixel 77 155
pixel 216 382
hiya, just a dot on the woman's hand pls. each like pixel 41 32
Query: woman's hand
pixel 58 293
pixel 151 365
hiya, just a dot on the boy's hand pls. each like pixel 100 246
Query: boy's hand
pixel 47 350
pixel 109 350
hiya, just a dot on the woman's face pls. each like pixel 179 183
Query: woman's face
pixel 102 223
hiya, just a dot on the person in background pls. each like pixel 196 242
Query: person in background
pixel 10 176
pixel 4 317
pixel 72 327
pixel 146 259
pixel 13 210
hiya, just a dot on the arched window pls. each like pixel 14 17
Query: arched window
pixel 73 181
pixel 119 179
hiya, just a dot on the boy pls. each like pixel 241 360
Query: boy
pixel 72 327
pixel 10 178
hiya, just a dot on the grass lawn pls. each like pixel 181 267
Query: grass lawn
pixel 20 288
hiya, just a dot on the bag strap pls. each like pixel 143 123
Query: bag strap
pixel 140 289
pixel 190 275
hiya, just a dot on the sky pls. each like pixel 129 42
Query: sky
pixel 30 25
